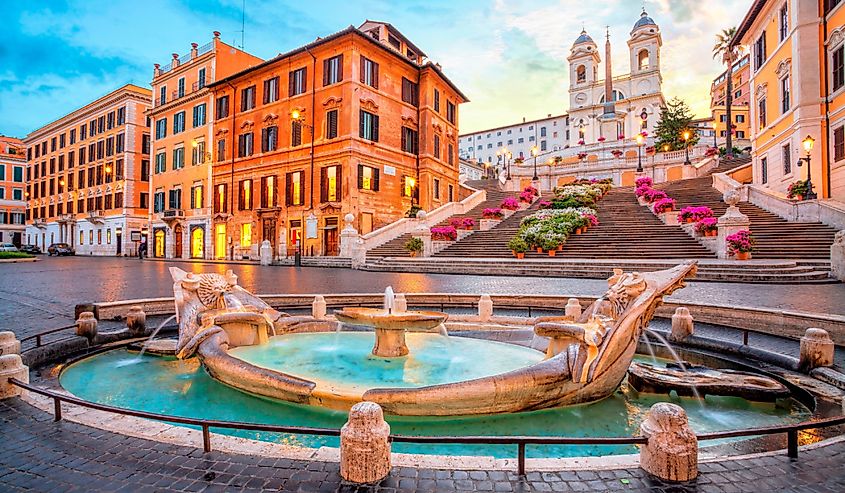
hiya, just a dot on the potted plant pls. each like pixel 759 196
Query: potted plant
pixel 581 142
pixel 533 191
pixel 493 213
pixel 695 214
pixel 412 212
pixel 663 205
pixel 510 204
pixel 740 244
pixel 582 155
pixel 616 153
pixel 707 226
pixel 643 181
pixel 444 233
pixel 526 197
pixel 601 139
pixel 518 160
pixel 518 246
pixel 545 204
pixel 414 246
pixel 652 195
pixel 550 243
pixel 798 190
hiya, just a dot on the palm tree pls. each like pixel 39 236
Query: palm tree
pixel 728 53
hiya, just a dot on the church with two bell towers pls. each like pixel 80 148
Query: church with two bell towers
pixel 616 107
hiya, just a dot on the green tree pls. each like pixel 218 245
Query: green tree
pixel 728 53
pixel 675 119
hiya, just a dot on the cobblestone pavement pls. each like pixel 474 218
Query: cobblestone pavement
pixel 37 454
pixel 42 294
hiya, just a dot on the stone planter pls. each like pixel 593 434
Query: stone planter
pixel 669 217
pixel 438 245
pixel 642 201
pixel 519 255
pixel 743 255
pixel 507 212
pixel 488 224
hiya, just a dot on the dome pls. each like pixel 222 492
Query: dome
pixel 644 20
pixel 583 38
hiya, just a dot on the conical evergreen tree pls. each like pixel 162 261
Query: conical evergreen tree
pixel 675 118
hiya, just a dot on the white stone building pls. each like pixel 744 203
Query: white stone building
pixel 548 134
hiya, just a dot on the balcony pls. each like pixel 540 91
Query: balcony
pixel 96 217
pixel 40 223
pixel 67 218
pixel 170 216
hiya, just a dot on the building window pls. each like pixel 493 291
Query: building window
pixel 330 184
pixel 761 110
pixel 161 128
pixel 787 159
pixel 839 143
pixel 784 94
pixel 248 98
pixel 175 198
pixel 221 149
pixel 271 90
pixel 269 138
pixel 158 201
pixel 409 140
pixel 245 144
pixel 369 72
pixel 581 74
pixel 201 78
pixel 410 92
pixel 221 201
pixel 451 113
pixel 784 22
pixel 542 131
pixel 180 88
pixel 222 106
pixel 179 122
pixel 760 51
pixel 295 133
pixel 764 171
pixel 838 66
pixel 408 185
pixel 268 192
pixel 297 81
pixel 198 152
pixel 368 126
pixel 161 164
pixel 437 100
pixel 331 124
pixel 199 115
pixel 740 134
pixel 368 178
pixel 332 70
pixel 740 118
pixel 436 189
pixel 246 234
pixel 178 158
pixel 451 193
pixel 450 156
pixel 120 143
pixel 436 146
pixel 162 95
pixel 245 195
pixel 294 189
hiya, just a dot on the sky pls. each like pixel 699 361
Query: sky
pixel 507 56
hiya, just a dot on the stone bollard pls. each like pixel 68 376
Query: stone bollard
pixel 837 256
pixel 86 326
pixel 671 453
pixel 816 350
pixel 318 307
pixel 265 253
pixel 364 445
pixel 682 325
pixel 9 344
pixel 11 366
pixel 136 321
pixel 573 308
pixel 485 308
pixel 400 304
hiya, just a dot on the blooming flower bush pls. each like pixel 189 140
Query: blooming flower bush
pixel 582 193
pixel 545 204
pixel 616 153
pixel 510 204
pixel 652 195
pixel 740 242
pixel 462 222
pixel 581 142
pixel 444 233
pixel 797 189
pixel 582 155
pixel 711 151
pixel 533 191
pixel 643 181
pixel 706 225
pixel 493 213
pixel 594 221
pixel 526 196
pixel 695 214
pixel 601 139
pixel 549 228
pixel 663 205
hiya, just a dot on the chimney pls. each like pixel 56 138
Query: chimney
pixel 216 34
pixel 156 70
pixel 175 62
pixel 193 50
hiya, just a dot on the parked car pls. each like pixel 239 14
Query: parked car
pixel 60 249
pixel 30 249
pixel 8 247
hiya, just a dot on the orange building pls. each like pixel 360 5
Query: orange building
pixel 180 209
pixel 356 122
pixel 87 176
pixel 797 49
pixel 740 75
pixel 12 184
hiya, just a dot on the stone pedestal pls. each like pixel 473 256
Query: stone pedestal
pixel 11 366
pixel 837 256
pixel 423 232
pixel 642 201
pixel 265 253
pixel 9 344
pixel 318 307
pixel 485 308
pixel 364 445
pixel 136 321
pixel 671 453
pixel 731 222
pixel 348 238
pixel 400 304
pixel 682 325
pixel 669 218
pixel 816 350
pixel 487 224
pixel 359 254
pixel 390 343
pixel 86 326
pixel 573 308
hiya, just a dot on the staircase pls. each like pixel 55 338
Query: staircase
pixel 776 238
pixel 729 163
pixel 396 248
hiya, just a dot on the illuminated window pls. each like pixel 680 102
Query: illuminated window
pixel 294 190
pixel 246 234
pixel 330 184
pixel 245 195
pixel 220 241
pixel 368 178
pixel 108 236
pixel 408 186
pixel 196 197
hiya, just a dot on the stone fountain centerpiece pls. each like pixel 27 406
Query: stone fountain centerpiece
pixel 390 324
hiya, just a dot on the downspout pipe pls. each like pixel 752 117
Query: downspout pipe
pixel 827 187
pixel 416 192
pixel 313 122
pixel 232 161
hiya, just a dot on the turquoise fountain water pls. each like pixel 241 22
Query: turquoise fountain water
pixel 182 388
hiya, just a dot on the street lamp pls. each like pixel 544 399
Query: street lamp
pixel 715 126
pixel 808 143
pixel 686 136
pixel 640 141
pixel 534 153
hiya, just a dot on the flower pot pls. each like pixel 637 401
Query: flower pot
pixel 560 248
pixel 520 255
pixel 799 198
pixel 711 233
pixel 577 231
pixel 413 254
pixel 689 220
pixel 552 253
pixel 743 255
pixel 539 250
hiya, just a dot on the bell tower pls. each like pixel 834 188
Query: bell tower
pixel 583 70
pixel 644 46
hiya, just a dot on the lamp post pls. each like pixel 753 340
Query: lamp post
pixel 686 136
pixel 715 126
pixel 534 153
pixel 296 115
pixel 640 141
pixel 808 143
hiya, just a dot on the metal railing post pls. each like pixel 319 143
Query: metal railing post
pixel 520 460
pixel 206 439
pixel 792 444
pixel 57 409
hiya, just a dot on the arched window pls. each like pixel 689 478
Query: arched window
pixel 197 242
pixel 642 59
pixel 617 96
pixel 581 74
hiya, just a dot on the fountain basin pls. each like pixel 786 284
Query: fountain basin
pixel 390 326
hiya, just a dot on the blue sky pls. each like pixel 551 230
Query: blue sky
pixel 508 56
